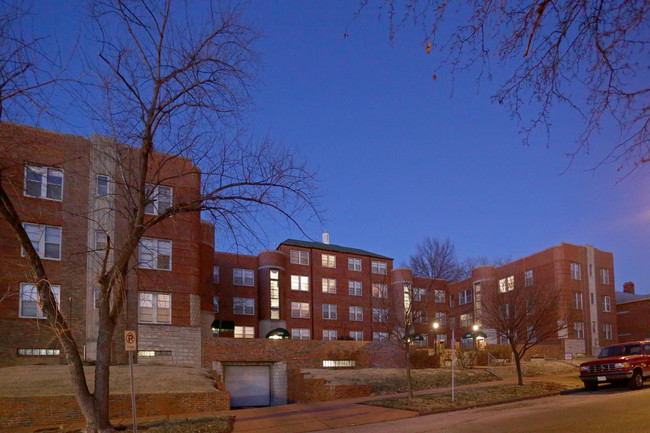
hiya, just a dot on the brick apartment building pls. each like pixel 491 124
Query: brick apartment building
pixel 633 314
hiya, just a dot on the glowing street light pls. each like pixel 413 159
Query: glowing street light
pixel 435 337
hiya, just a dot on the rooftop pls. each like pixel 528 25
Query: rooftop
pixel 622 297
pixel 331 247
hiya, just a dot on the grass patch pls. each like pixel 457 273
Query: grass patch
pixel 431 403
pixel 203 425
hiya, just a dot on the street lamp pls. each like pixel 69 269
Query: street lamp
pixel 474 329
pixel 435 337
pixel 453 358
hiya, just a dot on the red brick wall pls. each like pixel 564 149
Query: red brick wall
pixel 304 390
pixel 55 410
pixel 634 320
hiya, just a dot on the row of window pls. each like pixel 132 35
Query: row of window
pixel 578 304
pixel 299 257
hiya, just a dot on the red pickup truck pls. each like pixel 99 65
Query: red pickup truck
pixel 625 362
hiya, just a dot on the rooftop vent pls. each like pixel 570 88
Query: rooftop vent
pixel 326 238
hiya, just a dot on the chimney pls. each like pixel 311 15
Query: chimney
pixel 326 240
pixel 628 287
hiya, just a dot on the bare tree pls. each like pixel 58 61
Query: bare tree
pixel 435 258
pixel 527 315
pixel 590 56
pixel 174 82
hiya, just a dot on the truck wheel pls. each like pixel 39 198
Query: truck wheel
pixel 637 380
pixel 591 386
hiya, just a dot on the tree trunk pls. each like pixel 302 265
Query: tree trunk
pixel 408 373
pixel 520 380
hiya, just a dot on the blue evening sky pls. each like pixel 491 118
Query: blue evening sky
pixel 400 158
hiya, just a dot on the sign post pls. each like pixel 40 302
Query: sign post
pixel 131 345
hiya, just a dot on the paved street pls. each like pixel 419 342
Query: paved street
pixel 609 410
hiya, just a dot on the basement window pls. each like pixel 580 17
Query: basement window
pixel 154 353
pixel 338 363
pixel 38 352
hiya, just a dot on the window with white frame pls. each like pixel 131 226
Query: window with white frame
pixel 421 316
pixel 300 283
pixel 379 290
pixel 441 317
pixel 380 315
pixel 300 334
pixel 215 274
pixel 43 182
pixel 46 240
pixel 329 312
pixel 101 240
pixel 329 285
pixel 329 260
pixel 329 334
pixel 528 278
pixel 244 306
pixel 356 313
pixel 29 300
pixel 243 277
pixel 155 254
pixel 355 288
pixel 103 185
pixel 380 336
pixel 419 294
pixel 579 328
pixel 439 296
pixel 576 271
pixel 244 332
pixel 379 267
pixel 354 264
pixel 465 297
pixel 507 284
pixel 160 199
pixel 607 304
pixel 215 304
pixel 299 257
pixel 604 276
pixel 38 352
pixel 607 330
pixel 466 319
pixel 577 300
pixel 154 307
pixel 274 289
pixel 300 310
pixel 356 335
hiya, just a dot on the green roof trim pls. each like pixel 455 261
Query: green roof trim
pixel 331 247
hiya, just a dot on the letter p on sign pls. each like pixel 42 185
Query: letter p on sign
pixel 130 343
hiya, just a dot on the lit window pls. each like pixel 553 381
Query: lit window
pixel 329 312
pixel 154 307
pixel 244 332
pixel 380 315
pixel 356 335
pixel 604 275
pixel 507 284
pixel 528 278
pixel 355 288
pixel 379 290
pixel 356 313
pixel 329 285
pixel 101 240
pixel 576 271
pixel 103 185
pixel 300 334
pixel 274 276
pixel 330 334
pixel 299 257
pixel 243 306
pixel 243 277
pixel 29 300
pixel 155 254
pixel 46 240
pixel 440 296
pixel 379 268
pixel 300 283
pixel 300 310
pixel 43 182
pixel 380 336
pixel 159 199
pixel 329 261
pixel 466 320
pixel 354 264
pixel 327 363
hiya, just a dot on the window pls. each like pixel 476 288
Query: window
pixel 101 240
pixel 329 311
pixel 441 318
pixel 103 184
pixel 244 332
pixel 380 315
pixel 379 268
pixel 329 334
pixel 577 300
pixel 421 317
pixel 300 310
pixel 339 363
pixel 43 182
pixel 155 254
pixel 329 285
pixel 29 300
pixel 356 335
pixel 419 294
pixel 299 257
pixel 274 276
pixel 46 240
pixel 607 304
pixel 507 284
pixel 243 277
pixel 215 274
pixel 379 290
pixel 154 307
pixel 607 330
pixel 160 199
pixel 215 304
pixel 504 311
pixel 528 278
pixel 356 313
pixel 354 288
pixel 300 334
pixel 329 261
pixel 604 276
pixel 96 298
pixel 39 352
pixel 531 334
pixel 466 319
pixel 465 297
pixel 243 306
pixel 380 336
pixel 439 296
pixel 354 264
pixel 530 306
pixel 575 271
pixel 300 283
pixel 579 328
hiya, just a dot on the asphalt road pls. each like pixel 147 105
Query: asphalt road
pixel 608 410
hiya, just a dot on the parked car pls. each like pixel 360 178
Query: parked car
pixel 626 362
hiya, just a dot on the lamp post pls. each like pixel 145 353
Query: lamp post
pixel 474 330
pixel 453 359
pixel 435 337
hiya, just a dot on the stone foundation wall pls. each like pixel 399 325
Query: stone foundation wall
pixel 177 345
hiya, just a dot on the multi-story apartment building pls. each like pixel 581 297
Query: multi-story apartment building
pixel 632 314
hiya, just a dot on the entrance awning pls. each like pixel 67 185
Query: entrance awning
pixel 477 334
pixel 278 334
pixel 219 326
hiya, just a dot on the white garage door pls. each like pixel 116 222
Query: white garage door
pixel 248 385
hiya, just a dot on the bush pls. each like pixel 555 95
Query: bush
pixel 422 359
